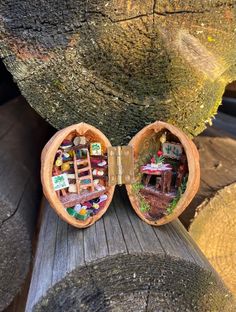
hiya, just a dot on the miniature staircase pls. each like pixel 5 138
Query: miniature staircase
pixel 87 167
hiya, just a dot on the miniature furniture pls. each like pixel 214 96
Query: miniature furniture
pixel 123 264
pixel 86 167
pixel 150 171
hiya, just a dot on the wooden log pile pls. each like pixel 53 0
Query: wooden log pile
pixel 121 264
pixel 22 136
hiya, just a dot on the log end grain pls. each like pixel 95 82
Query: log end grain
pixel 214 228
pixel 119 264
pixel 127 63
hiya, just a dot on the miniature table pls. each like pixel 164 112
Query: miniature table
pixel 149 171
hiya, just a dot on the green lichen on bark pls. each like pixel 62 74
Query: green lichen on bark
pixel 120 65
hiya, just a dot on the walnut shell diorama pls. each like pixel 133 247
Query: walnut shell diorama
pixel 80 168
pixel 74 174
pixel 167 173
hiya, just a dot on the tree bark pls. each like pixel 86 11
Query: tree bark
pixel 121 264
pixel 121 63
pixel 22 135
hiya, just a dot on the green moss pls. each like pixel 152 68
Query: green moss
pixel 144 206
pixel 136 187
pixel 180 192
pixel 58 84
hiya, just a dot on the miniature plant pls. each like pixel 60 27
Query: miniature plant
pixel 180 192
pixel 136 187
pixel 158 158
pixel 144 206
pixel 172 205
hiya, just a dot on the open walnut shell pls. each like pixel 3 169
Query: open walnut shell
pixel 80 169
pixel 61 200
pixel 157 207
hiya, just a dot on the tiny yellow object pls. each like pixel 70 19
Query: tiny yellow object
pixel 83 212
pixel 163 138
pixel 58 162
pixel 95 206
pixel 65 166
pixel 210 39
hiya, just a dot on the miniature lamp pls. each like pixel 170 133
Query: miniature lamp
pixel 163 138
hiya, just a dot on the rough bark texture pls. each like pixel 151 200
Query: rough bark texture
pixel 214 230
pixel 121 63
pixel 121 264
pixel 21 143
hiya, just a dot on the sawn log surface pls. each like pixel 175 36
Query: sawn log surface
pixel 121 264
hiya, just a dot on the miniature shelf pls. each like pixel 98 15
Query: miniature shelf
pixel 74 199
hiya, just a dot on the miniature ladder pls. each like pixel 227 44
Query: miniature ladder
pixel 88 168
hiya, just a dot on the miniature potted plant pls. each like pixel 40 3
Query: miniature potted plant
pixel 157 160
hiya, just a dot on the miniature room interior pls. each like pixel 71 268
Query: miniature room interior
pixel 80 174
pixel 162 172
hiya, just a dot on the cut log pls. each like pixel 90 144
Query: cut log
pixel 125 62
pixel 225 125
pixel 217 162
pixel 22 135
pixel 122 264
pixel 230 90
pixel 214 230
pixel 211 215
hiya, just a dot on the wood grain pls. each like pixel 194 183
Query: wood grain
pixel 20 191
pixel 119 264
pixel 217 149
pixel 214 230
pixel 120 65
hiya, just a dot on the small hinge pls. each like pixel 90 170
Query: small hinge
pixel 120 165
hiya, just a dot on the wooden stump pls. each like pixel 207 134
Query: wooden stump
pixel 121 264
pixel 22 135
pixel 211 216
pixel 214 230
pixel 217 152
pixel 125 62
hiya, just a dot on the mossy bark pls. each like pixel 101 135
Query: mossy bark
pixel 119 65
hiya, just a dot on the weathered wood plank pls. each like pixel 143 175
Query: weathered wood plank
pixel 122 263
pixel 22 135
